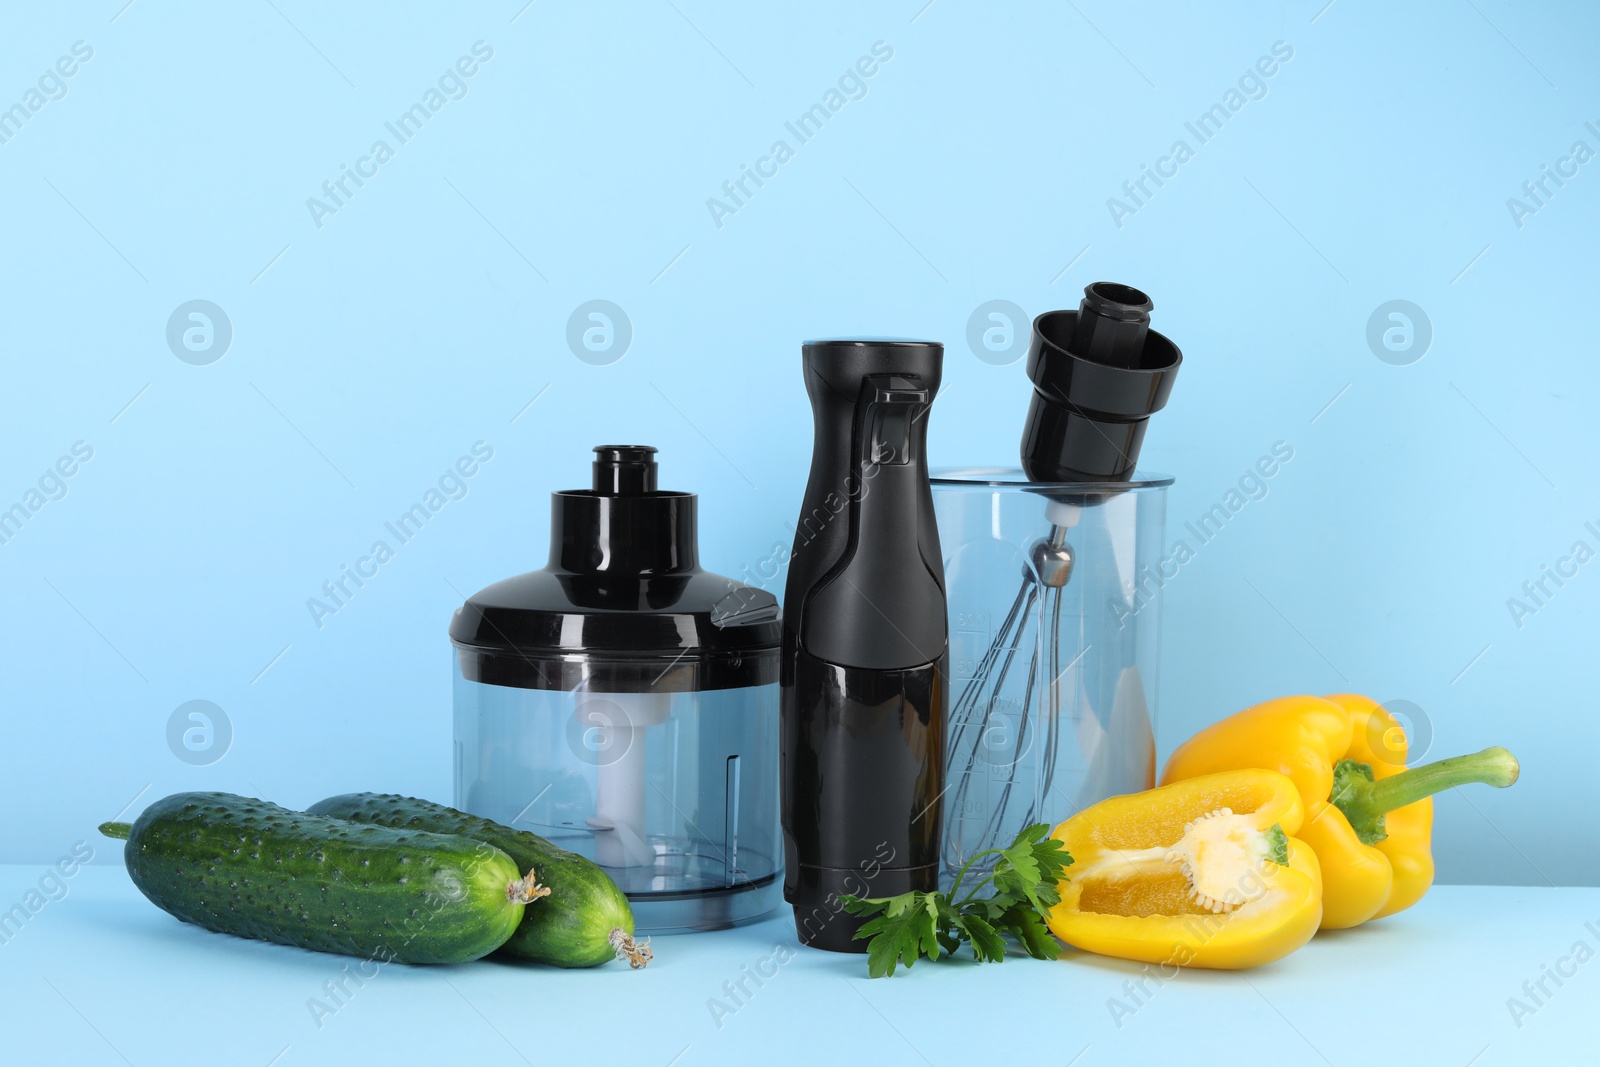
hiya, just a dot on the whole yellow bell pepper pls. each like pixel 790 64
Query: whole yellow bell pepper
pixel 1205 873
pixel 1368 817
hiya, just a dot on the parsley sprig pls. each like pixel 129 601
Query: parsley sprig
pixel 1024 881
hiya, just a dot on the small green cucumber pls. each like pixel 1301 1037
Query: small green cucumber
pixel 585 920
pixel 250 868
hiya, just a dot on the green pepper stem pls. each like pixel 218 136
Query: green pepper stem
pixel 1365 801
pixel 1493 766
pixel 118 830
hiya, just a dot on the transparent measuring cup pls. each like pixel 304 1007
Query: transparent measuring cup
pixel 1054 594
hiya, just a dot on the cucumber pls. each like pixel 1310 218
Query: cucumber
pixel 250 868
pixel 584 922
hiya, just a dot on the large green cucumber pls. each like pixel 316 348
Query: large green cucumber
pixel 585 920
pixel 250 868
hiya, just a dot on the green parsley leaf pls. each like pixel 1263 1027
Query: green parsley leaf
pixel 906 930
pixel 987 944
pixel 1025 881
pixel 1023 923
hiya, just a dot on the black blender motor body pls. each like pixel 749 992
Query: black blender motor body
pixel 864 670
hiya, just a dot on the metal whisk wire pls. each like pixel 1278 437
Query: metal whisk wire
pixel 1049 567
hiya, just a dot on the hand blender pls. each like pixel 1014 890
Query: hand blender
pixel 864 663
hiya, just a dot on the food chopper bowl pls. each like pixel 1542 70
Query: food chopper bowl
pixel 1053 707
pixel 670 788
pixel 623 704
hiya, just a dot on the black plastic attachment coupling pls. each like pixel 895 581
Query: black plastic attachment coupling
pixel 1098 375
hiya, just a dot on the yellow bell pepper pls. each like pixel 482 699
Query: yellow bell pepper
pixel 1368 817
pixel 1205 873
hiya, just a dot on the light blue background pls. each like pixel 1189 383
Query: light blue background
pixel 425 315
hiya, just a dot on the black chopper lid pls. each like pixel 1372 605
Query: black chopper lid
pixel 623 605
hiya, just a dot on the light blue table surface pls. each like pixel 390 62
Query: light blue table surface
pixel 101 976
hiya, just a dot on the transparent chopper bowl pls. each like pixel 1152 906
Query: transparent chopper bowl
pixel 670 792
pixel 1014 756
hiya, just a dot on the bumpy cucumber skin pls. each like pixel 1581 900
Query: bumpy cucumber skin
pixel 571 927
pixel 253 869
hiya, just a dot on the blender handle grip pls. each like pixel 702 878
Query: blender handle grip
pixel 880 606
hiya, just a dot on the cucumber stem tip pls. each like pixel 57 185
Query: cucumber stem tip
pixel 637 953
pixel 118 830
pixel 526 890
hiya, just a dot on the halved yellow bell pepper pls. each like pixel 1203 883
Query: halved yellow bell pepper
pixel 1369 819
pixel 1205 873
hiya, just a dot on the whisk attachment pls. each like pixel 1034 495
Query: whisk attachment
pixel 1098 375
